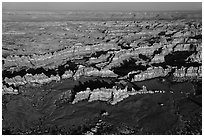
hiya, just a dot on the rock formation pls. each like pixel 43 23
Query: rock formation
pixel 53 68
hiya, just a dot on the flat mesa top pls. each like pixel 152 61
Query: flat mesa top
pixel 37 16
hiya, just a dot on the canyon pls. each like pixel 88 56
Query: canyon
pixel 118 74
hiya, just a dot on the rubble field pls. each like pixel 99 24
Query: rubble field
pixel 102 73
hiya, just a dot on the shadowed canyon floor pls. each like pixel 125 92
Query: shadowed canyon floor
pixel 101 73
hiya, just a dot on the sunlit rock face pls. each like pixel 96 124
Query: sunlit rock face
pixel 151 73
pixel 83 95
pixel 84 72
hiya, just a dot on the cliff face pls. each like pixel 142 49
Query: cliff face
pixel 156 58
pixel 47 65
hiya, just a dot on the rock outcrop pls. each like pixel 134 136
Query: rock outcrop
pixel 62 76
pixel 111 96
pixel 135 51
pixel 150 73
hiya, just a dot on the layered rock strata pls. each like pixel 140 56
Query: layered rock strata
pixel 112 96
pixel 62 77
pixel 132 50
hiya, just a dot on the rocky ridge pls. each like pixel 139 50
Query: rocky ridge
pixel 149 49
pixel 64 77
